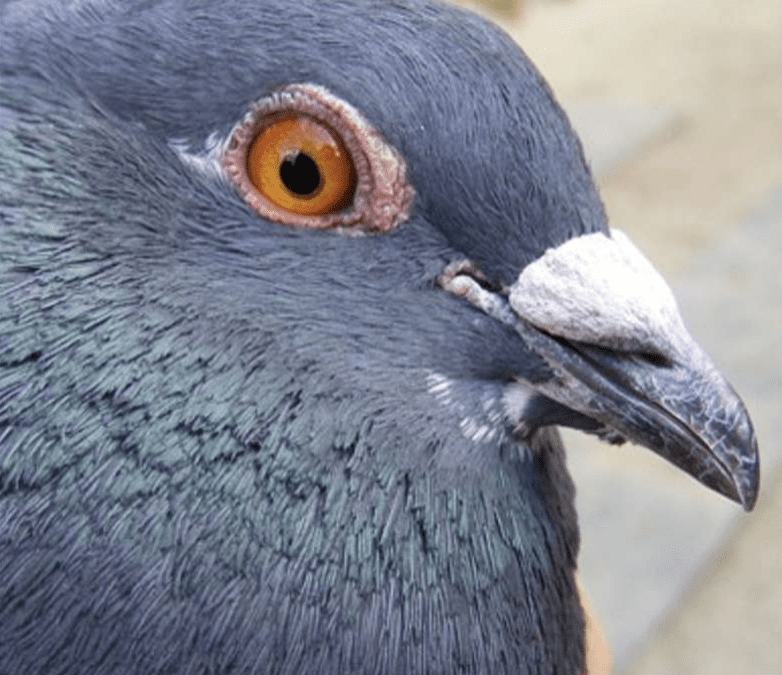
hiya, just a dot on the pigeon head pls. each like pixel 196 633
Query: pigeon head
pixel 244 432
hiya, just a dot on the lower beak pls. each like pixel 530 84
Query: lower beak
pixel 686 412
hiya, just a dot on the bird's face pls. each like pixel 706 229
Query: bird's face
pixel 167 309
pixel 493 204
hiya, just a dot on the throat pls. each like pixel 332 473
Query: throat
pixel 480 572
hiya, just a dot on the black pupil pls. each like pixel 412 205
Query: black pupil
pixel 300 174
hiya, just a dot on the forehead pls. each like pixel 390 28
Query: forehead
pixel 491 154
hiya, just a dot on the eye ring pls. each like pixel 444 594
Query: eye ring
pixel 381 197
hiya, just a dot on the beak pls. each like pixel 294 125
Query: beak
pixel 622 365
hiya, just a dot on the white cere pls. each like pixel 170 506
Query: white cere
pixel 601 290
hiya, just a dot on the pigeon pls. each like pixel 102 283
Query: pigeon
pixel 293 298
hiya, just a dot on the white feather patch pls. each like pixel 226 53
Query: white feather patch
pixel 603 291
pixel 206 162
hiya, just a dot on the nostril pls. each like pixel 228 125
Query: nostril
pixel 488 284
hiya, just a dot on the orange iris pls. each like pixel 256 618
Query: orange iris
pixel 301 165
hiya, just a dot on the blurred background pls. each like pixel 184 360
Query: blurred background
pixel 679 105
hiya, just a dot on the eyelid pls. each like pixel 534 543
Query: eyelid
pixel 382 196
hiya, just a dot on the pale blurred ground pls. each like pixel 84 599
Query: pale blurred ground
pixel 679 103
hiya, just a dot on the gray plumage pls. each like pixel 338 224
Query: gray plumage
pixel 228 446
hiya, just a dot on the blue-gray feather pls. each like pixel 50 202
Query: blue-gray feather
pixel 220 451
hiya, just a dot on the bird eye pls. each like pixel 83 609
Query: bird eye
pixel 304 158
pixel 301 165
